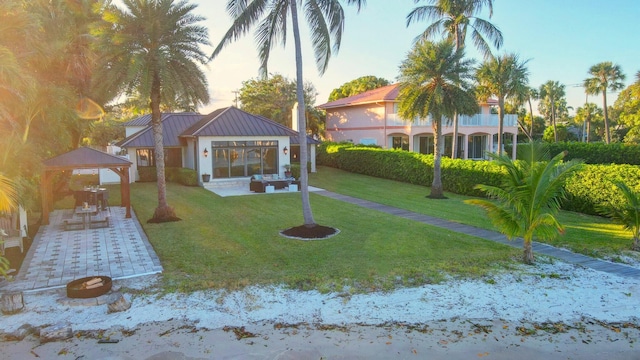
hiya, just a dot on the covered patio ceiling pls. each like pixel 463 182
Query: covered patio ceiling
pixel 83 158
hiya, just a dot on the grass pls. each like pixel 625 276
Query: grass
pixel 590 235
pixel 234 242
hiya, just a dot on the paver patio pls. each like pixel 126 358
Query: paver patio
pixel 57 257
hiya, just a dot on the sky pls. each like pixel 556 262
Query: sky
pixel 561 39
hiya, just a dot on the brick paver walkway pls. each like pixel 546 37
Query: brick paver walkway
pixel 564 255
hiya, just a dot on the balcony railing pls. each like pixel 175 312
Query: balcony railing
pixel 464 120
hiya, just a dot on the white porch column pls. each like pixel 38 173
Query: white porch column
pixel 489 145
pixel 465 145
pixel 312 157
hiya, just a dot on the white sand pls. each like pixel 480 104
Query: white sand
pixel 547 292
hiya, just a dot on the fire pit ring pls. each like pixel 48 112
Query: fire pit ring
pixel 77 291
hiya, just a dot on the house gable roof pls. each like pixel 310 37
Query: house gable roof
pixel 387 93
pixel 85 158
pixel 232 121
pixel 173 124
pixel 229 121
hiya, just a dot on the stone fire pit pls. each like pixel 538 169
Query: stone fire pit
pixel 89 287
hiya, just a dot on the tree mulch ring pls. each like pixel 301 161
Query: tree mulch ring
pixel 314 232
pixel 163 220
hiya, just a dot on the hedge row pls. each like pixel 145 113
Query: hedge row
pixel 599 153
pixel 586 190
pixel 184 176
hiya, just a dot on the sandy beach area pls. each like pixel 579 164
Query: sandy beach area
pixel 551 310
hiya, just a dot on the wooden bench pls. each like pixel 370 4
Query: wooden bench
pixel 73 225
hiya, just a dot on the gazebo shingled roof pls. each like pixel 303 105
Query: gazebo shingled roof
pixel 84 158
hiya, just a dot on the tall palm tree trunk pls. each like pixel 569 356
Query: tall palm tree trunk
pixel 454 140
pixel 607 134
pixel 500 124
pixel 588 128
pixel 436 187
pixel 302 123
pixel 163 212
pixel 636 243
pixel 553 119
pixel 531 114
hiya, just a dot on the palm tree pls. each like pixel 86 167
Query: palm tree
pixel 550 94
pixel 629 214
pixel 151 49
pixel 434 82
pixel 453 18
pixel 529 197
pixel 605 76
pixel 504 77
pixel 326 22
pixel 588 113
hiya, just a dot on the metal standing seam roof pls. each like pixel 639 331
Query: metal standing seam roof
pixel 232 121
pixel 229 121
pixel 87 158
pixel 173 124
pixel 145 119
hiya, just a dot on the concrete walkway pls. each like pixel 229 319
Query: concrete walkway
pixel 539 248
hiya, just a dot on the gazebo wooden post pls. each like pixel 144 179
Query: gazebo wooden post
pixel 125 190
pixel 45 193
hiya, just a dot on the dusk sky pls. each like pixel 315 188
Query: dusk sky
pixel 561 39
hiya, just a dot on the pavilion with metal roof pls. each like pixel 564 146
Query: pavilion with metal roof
pixel 83 158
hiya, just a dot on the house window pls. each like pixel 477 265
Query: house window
pixel 426 145
pixel 400 142
pixel 244 158
pixel 477 146
pixel 448 146
pixel 172 157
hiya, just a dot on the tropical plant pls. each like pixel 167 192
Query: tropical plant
pixel 529 198
pixel 551 94
pixel 274 98
pixel 588 114
pixel 357 86
pixel 326 22
pixel 453 18
pixel 627 215
pixel 151 50
pixel 503 77
pixel 628 106
pixel 605 76
pixel 434 82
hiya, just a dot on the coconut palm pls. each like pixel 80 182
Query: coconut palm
pixel 629 214
pixel 605 76
pixel 529 198
pixel 503 77
pixel 151 49
pixel 326 23
pixel 434 82
pixel 550 94
pixel 453 18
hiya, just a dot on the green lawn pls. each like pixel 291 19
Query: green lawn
pixel 590 235
pixel 233 242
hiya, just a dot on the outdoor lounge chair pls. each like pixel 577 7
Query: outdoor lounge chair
pixel 10 236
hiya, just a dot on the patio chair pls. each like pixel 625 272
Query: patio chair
pixel 10 235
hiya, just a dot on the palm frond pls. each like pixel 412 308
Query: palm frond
pixel 320 35
pixel 242 22
pixel 272 28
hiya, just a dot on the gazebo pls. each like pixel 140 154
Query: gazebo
pixel 83 158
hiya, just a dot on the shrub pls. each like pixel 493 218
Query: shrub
pixel 586 190
pixel 598 153
pixel 184 176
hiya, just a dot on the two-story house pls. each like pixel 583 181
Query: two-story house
pixel 372 118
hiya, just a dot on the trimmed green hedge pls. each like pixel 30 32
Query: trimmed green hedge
pixel 586 190
pixel 184 176
pixel 599 153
